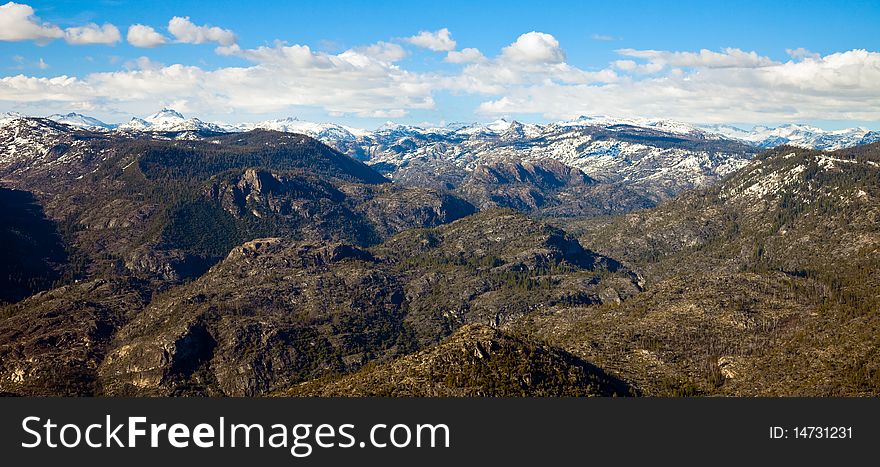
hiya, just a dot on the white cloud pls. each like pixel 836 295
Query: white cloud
pixel 534 58
pixel 840 86
pixel 801 52
pixel 140 35
pixel 142 63
pixel 18 23
pixel 467 55
pixel 107 34
pixel 534 47
pixel 384 51
pixel 361 81
pixel 530 76
pixel 438 41
pixel 22 88
pixel 633 67
pixel 186 32
pixel 728 58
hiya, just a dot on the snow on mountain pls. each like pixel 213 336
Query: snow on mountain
pixel 659 157
pixel 669 126
pixel 27 143
pixel 166 116
pixel 80 121
pixel 499 125
pixel 321 131
pixel 7 117
pixel 645 155
pixel 135 124
pixel 169 120
pixel 805 136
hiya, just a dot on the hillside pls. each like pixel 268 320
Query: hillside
pixel 806 213
pixel 32 249
pixel 763 285
pixel 277 312
pixel 475 361
pixel 166 209
pixel 107 222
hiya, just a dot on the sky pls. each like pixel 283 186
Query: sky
pixel 364 63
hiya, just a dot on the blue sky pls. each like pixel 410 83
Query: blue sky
pixel 743 63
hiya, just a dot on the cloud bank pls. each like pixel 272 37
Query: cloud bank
pixel 531 75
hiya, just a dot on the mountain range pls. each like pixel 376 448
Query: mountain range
pixel 637 162
pixel 594 257
pixel 806 136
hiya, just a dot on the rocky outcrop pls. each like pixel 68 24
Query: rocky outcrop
pixel 166 265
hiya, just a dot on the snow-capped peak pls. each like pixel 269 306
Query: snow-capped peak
pixel 390 126
pixel 455 126
pixel 80 121
pixel 499 125
pixel 666 125
pixel 170 120
pixel 322 131
pixel 166 116
pixel 798 135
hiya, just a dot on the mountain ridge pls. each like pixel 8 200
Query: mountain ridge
pixel 169 120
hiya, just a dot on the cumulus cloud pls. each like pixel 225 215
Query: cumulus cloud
pixel 18 23
pixel 107 34
pixel 140 35
pixel 466 55
pixel 21 88
pixel 534 47
pixel 534 58
pixel 438 41
pixel 362 81
pixel 186 32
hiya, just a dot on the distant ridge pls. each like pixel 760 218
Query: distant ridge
pixel 170 120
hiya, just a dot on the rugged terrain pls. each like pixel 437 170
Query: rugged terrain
pixel 277 312
pixel 172 257
pixel 763 285
pixel 167 208
pixel 112 220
